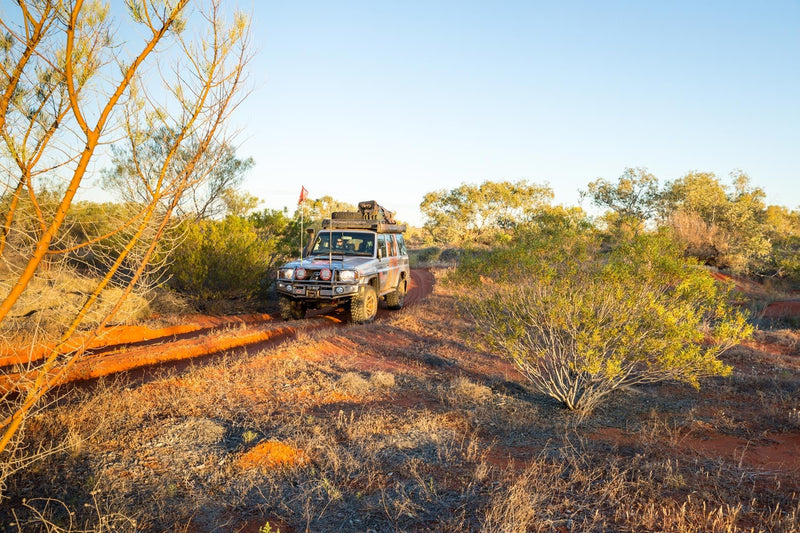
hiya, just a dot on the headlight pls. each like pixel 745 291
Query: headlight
pixel 300 273
pixel 347 275
pixel 285 273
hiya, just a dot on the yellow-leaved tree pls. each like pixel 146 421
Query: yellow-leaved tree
pixel 70 88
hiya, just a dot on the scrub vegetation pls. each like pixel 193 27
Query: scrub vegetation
pixel 400 425
pixel 638 370
pixel 580 323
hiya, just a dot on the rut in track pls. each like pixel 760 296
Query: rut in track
pixel 125 348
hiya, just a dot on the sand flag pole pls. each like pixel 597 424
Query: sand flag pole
pixel 301 203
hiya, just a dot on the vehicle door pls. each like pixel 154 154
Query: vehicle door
pixel 402 256
pixel 385 268
pixel 393 276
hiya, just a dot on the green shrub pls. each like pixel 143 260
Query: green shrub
pixel 219 259
pixel 580 323
pixel 424 256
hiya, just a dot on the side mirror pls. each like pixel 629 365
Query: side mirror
pixel 310 243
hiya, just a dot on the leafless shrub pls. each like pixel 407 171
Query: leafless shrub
pixel 54 516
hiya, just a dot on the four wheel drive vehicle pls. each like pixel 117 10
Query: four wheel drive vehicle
pixel 356 259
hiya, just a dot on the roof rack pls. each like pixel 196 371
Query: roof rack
pixel 370 216
pixel 374 225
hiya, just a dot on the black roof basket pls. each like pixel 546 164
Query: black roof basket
pixel 370 215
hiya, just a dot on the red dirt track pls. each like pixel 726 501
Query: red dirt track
pixel 779 309
pixel 128 348
pixel 124 348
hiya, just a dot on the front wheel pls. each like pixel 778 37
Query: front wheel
pixel 291 309
pixel 364 306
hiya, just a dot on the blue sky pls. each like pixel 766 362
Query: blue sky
pixel 388 100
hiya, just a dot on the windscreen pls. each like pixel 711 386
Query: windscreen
pixel 344 243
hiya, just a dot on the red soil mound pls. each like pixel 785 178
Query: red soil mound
pixel 271 454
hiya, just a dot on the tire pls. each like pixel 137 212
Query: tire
pixel 394 300
pixel 364 306
pixel 291 309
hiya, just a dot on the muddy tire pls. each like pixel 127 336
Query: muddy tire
pixel 364 306
pixel 394 300
pixel 291 309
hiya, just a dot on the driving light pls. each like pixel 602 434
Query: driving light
pixel 300 273
pixel 325 274
pixel 347 275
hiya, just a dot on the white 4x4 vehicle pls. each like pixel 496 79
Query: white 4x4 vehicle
pixel 356 259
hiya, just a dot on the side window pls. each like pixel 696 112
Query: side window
pixel 382 245
pixel 392 245
pixel 401 245
pixel 321 245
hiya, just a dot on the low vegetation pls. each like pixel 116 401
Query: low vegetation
pixel 416 432
pixel 580 323
pixel 217 259
pixel 449 416
pixel 467 412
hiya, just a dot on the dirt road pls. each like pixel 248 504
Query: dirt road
pixel 125 348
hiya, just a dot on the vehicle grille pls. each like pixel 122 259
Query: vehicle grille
pixel 312 276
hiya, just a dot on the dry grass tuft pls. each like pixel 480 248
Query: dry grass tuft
pixel 462 389
pixel 382 380
pixel 54 298
pixel 353 383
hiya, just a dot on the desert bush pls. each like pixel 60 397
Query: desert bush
pixel 535 250
pixel 703 241
pixel 784 234
pixel 478 213
pixel 463 390
pixel 218 259
pixel 424 256
pixel 724 225
pixel 580 324
pixel 382 380
pixel 281 233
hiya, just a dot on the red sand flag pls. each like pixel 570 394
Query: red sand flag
pixel 303 195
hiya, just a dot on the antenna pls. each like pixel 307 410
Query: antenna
pixel 302 216
pixel 302 202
